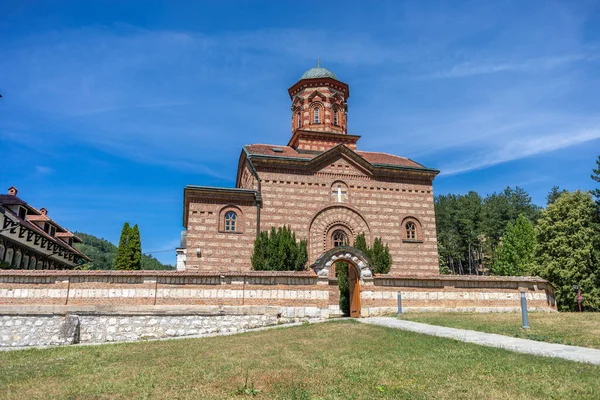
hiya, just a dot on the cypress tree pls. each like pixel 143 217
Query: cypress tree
pixel 360 243
pixel 381 260
pixel 341 269
pixel 122 256
pixel 279 251
pixel 135 248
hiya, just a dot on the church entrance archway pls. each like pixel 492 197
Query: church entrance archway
pixel 334 220
pixel 358 269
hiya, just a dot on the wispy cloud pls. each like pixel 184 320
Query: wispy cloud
pixel 521 148
pixel 44 170
pixel 473 68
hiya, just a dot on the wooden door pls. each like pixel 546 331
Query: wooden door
pixel 354 283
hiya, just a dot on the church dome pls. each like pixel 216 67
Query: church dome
pixel 318 72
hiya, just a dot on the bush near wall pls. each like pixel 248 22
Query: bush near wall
pixel 279 251
pixel 379 255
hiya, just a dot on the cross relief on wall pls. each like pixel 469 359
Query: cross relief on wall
pixel 339 193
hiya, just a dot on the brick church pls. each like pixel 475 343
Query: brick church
pixel 320 184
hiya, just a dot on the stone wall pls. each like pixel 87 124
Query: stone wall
pixel 293 294
pixel 38 330
pixel 22 326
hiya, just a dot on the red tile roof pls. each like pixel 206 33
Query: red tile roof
pixel 267 150
pixel 390 159
pixel 369 156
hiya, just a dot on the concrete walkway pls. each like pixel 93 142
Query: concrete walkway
pixel 573 353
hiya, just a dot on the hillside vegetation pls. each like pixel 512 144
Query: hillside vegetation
pixel 103 253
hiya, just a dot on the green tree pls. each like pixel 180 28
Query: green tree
pixel 135 248
pixel 554 194
pixel 360 243
pixel 516 253
pixel 103 254
pixel 380 257
pixel 341 270
pixel 469 228
pixel 567 254
pixel 596 177
pixel 122 257
pixel 279 251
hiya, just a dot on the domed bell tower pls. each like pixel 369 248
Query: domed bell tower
pixel 319 102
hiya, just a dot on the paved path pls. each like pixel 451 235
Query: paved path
pixel 573 353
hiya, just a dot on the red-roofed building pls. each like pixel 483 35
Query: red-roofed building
pixel 321 185
pixel 29 239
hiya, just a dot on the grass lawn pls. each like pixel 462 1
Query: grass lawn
pixel 335 360
pixel 577 329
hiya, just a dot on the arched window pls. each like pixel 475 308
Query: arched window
pixel 411 231
pixel 335 117
pixel 230 219
pixel 298 120
pixel 340 238
pixel 317 115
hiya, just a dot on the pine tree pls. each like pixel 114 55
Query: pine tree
pixel 135 248
pixel 554 194
pixel 122 257
pixel 596 177
pixel 516 253
pixel 568 250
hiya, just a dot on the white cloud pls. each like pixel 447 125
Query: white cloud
pixel 44 170
pixel 520 148
pixel 473 68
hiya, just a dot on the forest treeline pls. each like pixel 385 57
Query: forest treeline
pixel 505 233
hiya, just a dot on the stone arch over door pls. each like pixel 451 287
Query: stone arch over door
pixel 327 218
pixel 346 254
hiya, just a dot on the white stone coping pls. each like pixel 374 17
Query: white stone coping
pixel 136 310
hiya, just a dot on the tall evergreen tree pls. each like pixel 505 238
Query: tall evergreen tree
pixel 596 177
pixel 568 250
pixel 122 256
pixel 135 248
pixel 554 194
pixel 341 269
pixel 360 243
pixel 279 251
pixel 379 255
pixel 516 252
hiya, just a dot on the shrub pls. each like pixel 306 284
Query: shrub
pixel 279 251
pixel 379 255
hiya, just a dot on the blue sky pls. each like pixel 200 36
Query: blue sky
pixel 111 107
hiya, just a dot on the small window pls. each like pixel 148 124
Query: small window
pixel 22 212
pixel 411 231
pixel 298 120
pixel 317 115
pixel 335 117
pixel 340 238
pixel 230 219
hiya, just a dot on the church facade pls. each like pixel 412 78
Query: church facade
pixel 321 185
